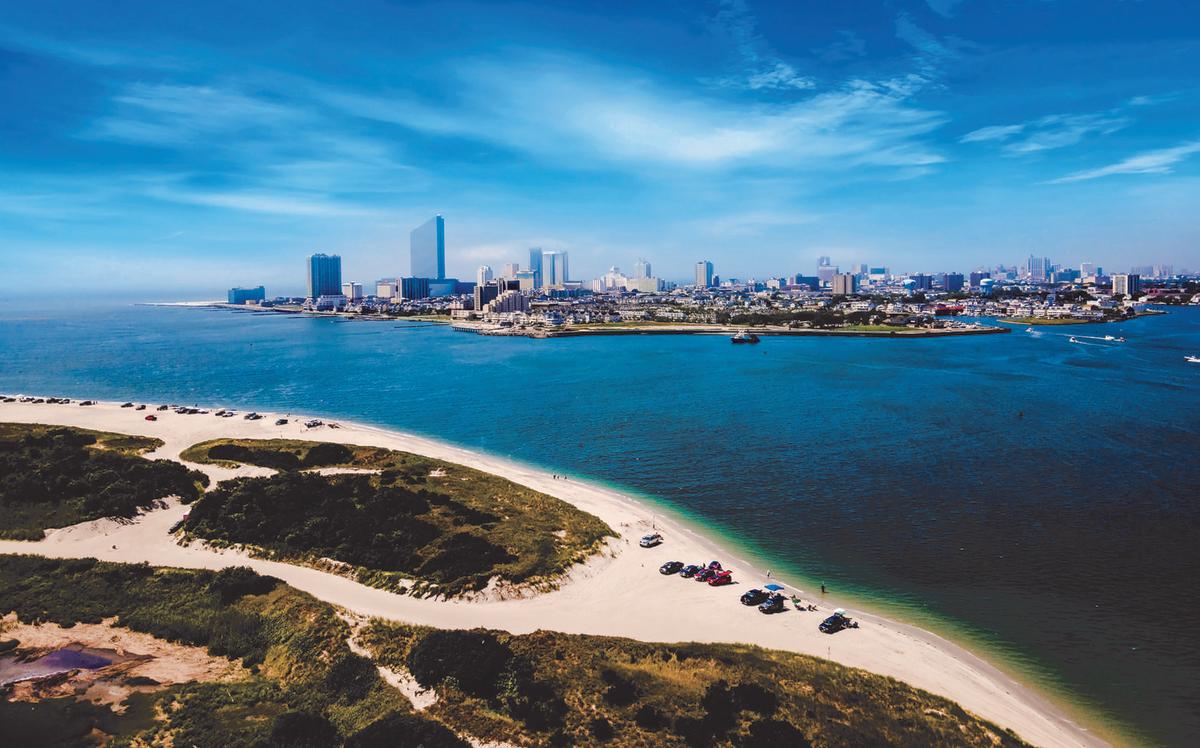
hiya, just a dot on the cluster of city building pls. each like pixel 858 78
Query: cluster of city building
pixel 543 292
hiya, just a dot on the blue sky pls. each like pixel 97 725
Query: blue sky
pixel 186 147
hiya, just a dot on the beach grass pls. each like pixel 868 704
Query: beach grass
pixel 560 689
pixel 53 476
pixel 416 524
pixel 302 670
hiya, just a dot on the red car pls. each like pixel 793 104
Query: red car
pixel 705 574
pixel 152 418
pixel 721 578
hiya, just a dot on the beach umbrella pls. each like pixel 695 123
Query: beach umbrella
pixel 774 587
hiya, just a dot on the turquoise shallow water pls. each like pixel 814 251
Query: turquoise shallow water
pixel 1036 496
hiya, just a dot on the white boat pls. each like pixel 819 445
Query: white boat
pixel 1073 340
pixel 1192 359
pixel 1028 329
pixel 1109 337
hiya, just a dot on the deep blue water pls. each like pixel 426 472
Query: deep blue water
pixel 1035 496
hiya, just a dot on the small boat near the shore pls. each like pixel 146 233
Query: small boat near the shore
pixel 1192 359
pixel 1072 340
pixel 744 336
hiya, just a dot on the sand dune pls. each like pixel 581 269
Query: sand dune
pixel 620 595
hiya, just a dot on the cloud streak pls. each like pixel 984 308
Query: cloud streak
pixel 763 69
pixel 577 114
pixel 1150 162
pixel 1047 133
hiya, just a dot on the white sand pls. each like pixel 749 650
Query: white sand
pixel 621 596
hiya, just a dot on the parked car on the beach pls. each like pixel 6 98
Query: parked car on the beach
pixel 836 622
pixel 281 422
pixel 721 578
pixel 126 405
pixel 140 407
pixel 163 407
pixel 649 541
pixel 313 423
pixel 670 567
pixel 88 402
pixel 705 575
pixel 690 570
pixel 754 597
pixel 773 604
pixel 714 565
pixel 252 416
pixel 151 417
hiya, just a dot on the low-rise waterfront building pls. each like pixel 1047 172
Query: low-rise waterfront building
pixel 247 295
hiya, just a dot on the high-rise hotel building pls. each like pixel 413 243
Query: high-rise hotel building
pixel 324 275
pixel 553 269
pixel 427 249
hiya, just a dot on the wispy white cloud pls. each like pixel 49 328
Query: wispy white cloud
pixel 782 75
pixel 1049 132
pixel 580 114
pixel 170 114
pixel 1151 162
pixel 993 132
pixel 264 150
pixel 752 223
pixel 759 66
pixel 945 8
pixel 273 202
pixel 1062 130
pixel 83 52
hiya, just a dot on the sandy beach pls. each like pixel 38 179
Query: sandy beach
pixel 621 594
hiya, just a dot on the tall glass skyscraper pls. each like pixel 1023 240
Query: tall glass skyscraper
pixel 427 247
pixel 553 269
pixel 535 265
pixel 324 275
pixel 704 274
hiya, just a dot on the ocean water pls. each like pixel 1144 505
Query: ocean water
pixel 1037 499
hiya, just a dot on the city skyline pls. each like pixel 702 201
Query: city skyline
pixel 185 156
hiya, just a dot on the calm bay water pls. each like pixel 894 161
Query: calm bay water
pixel 1036 497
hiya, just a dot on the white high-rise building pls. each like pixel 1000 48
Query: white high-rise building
pixel 1037 268
pixel 1087 269
pixel 483 274
pixel 554 269
pixel 511 269
pixel 704 274
pixel 611 282
pixel 1129 284
pixel 352 291
pixel 641 269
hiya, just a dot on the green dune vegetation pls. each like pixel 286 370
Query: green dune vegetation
pixel 412 524
pixel 53 476
pixel 553 689
pixel 305 687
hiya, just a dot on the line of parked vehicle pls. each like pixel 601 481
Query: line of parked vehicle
pixel 180 409
pixel 710 573
pixel 768 601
